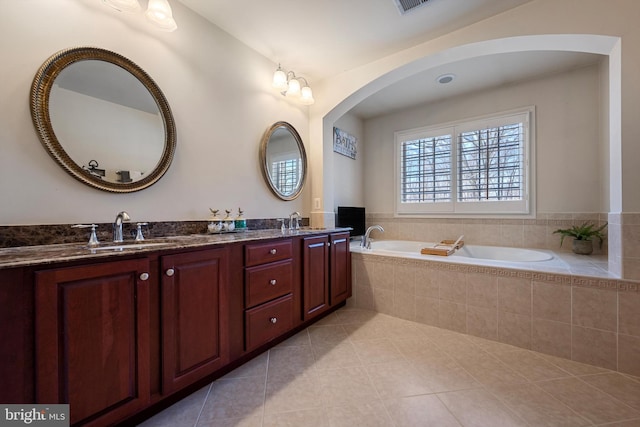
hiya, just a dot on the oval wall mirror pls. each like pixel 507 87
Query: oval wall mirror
pixel 283 160
pixel 103 119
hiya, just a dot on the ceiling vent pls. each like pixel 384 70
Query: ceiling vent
pixel 405 6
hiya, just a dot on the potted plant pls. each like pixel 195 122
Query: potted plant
pixel 583 236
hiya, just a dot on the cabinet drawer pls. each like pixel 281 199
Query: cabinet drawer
pixel 268 321
pixel 262 253
pixel 267 282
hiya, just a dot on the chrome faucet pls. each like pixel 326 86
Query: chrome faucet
pixel 117 226
pixel 295 226
pixel 366 240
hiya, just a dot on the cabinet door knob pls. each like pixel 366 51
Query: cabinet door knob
pixel 272 282
pixel 273 251
pixel 274 320
pixel 170 272
pixel 144 276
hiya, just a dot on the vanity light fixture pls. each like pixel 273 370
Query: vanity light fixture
pixel 158 12
pixel 292 86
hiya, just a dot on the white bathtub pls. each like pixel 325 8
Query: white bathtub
pixel 492 255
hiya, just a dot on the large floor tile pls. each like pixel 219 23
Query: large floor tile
pixel 537 407
pixel 358 415
pixel 346 386
pixel 361 368
pixel 234 398
pixel 531 366
pixel 589 402
pixel 183 413
pixel 617 385
pixel 397 379
pixel 420 411
pixel 479 408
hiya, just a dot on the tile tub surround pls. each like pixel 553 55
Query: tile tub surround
pixel 362 368
pixel 514 233
pixel 34 235
pixel 589 319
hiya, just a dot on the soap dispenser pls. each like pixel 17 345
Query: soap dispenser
pixel 215 224
pixel 241 223
pixel 228 224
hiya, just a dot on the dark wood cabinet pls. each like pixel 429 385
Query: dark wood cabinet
pixel 16 337
pixel 326 272
pixel 119 337
pixel 91 335
pixel 270 291
pixel 340 267
pixel 194 316
pixel 315 275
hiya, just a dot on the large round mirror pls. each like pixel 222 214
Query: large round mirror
pixel 103 119
pixel 283 160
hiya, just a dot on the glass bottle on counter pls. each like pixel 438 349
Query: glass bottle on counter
pixel 241 223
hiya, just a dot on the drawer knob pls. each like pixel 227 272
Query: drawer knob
pixel 273 251
pixel 170 272
pixel 144 276
pixel 274 320
pixel 272 282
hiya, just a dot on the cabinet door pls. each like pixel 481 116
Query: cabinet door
pixel 315 276
pixel 92 339
pixel 193 316
pixel 340 267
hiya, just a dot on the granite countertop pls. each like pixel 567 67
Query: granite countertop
pixel 47 254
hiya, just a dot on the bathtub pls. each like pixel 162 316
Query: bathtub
pixel 468 254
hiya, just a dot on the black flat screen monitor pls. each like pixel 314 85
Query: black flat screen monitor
pixel 349 216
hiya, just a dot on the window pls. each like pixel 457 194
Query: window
pixel 469 167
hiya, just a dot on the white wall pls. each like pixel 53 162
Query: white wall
pixel 218 89
pixel 348 173
pixel 568 138
pixel 608 28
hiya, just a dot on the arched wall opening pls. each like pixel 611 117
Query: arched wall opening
pixel 586 43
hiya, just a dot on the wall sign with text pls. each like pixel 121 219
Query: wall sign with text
pixel 344 144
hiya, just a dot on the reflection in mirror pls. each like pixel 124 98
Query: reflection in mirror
pixel 127 140
pixel 103 119
pixel 283 160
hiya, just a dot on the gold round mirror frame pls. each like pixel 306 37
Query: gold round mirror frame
pixel 264 166
pixel 39 103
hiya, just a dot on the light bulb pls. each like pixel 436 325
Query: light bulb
pixel 294 88
pixel 280 80
pixel 159 13
pixel 306 96
pixel 128 6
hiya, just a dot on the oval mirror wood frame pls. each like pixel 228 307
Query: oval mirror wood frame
pixel 39 104
pixel 264 166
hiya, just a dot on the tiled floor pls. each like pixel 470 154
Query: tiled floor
pixel 360 368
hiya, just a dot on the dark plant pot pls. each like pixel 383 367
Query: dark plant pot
pixel 582 247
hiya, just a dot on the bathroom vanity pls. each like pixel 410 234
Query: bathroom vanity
pixel 121 333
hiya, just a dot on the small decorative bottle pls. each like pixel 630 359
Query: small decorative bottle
pixel 215 224
pixel 241 223
pixel 228 224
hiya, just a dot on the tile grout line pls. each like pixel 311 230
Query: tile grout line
pixel 204 402
pixel 264 393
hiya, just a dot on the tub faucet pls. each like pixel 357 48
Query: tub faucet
pixel 117 226
pixel 366 240
pixel 296 225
